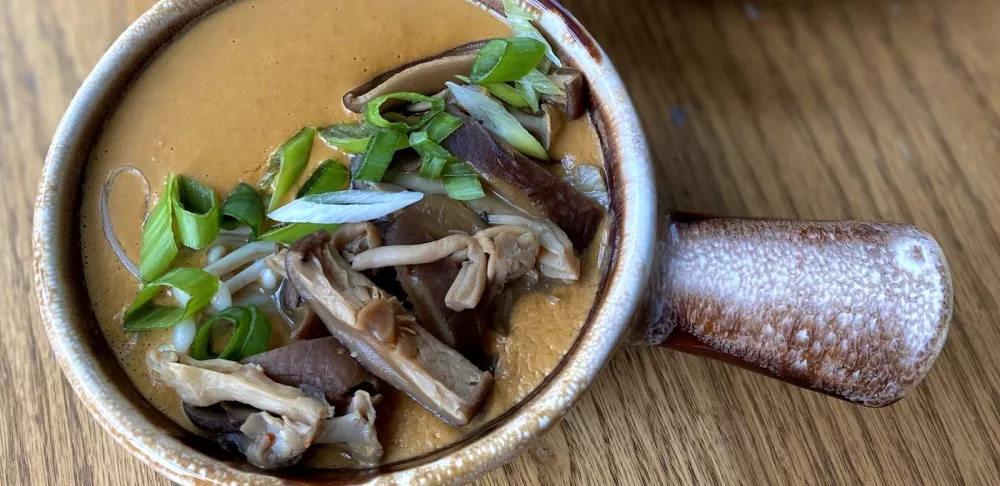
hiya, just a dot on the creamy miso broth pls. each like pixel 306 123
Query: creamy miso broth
pixel 216 103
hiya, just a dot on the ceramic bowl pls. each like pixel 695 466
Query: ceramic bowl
pixel 855 310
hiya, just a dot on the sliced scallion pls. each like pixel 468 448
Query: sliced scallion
pixel 159 244
pixel 503 60
pixel 533 84
pixel 251 335
pixel 243 205
pixel 291 160
pixel 328 177
pixel 196 285
pixel 196 213
pixel 287 234
pixel 461 182
pixel 434 156
pixel 352 137
pixel 378 155
pixel 521 23
pixel 442 126
pixel 344 206
pixel 541 83
pixel 529 94
pixel 505 92
pixel 497 120
pixel 349 137
pixel 373 112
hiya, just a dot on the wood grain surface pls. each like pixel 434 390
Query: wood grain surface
pixel 868 109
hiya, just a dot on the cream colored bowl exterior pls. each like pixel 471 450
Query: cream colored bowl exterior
pixel 70 323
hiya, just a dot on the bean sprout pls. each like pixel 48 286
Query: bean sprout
pixel 268 279
pixel 215 253
pixel 183 335
pixel 247 276
pixel 240 257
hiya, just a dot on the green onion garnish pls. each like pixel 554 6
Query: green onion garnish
pixel 251 335
pixel 461 182
pixel 529 94
pixel 442 126
pixel 520 22
pixel 497 120
pixel 541 83
pixel 291 159
pixel 434 156
pixel 504 91
pixel 290 233
pixel 349 137
pixel 243 205
pixel 328 177
pixel 352 137
pixel 196 286
pixel 196 212
pixel 533 84
pixel 378 155
pixel 503 60
pixel 508 94
pixel 373 112
pixel 159 244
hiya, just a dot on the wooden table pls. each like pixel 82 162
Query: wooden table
pixel 869 109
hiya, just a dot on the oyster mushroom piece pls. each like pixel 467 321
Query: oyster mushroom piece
pixel 544 126
pixel 525 184
pixel 512 252
pixel 270 442
pixel 323 363
pixel 573 100
pixel 205 383
pixel 468 286
pixel 556 258
pixel 378 331
pixel 425 76
pixel 354 433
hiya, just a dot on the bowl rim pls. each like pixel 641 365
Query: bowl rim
pixel 630 178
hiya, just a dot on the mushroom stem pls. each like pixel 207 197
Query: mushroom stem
pixel 468 287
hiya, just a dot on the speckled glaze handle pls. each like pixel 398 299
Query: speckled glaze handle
pixel 856 310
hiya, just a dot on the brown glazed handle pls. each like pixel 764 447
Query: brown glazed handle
pixel 856 310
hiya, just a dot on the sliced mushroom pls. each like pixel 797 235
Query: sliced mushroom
pixel 354 434
pixel 206 383
pixel 354 238
pixel 425 76
pixel 323 363
pixel 387 341
pixel 441 216
pixel 524 183
pixel 425 287
pixel 306 325
pixel 468 286
pixel 221 418
pixel 272 442
pixel 556 258
pixel 573 101
pixel 544 126
pixel 512 251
